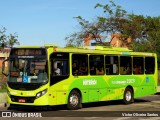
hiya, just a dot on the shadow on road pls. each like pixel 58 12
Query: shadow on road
pixel 111 103
pixel 158 93
pixel 63 107
pixel 37 108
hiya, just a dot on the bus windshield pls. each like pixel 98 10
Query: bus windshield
pixel 27 68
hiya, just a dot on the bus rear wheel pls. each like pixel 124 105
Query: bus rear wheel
pixel 128 96
pixel 74 100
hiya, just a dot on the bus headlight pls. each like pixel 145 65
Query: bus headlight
pixel 41 93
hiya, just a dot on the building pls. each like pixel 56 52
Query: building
pixel 117 40
pixel 4 53
pixel 89 37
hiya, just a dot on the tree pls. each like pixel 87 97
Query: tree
pixel 74 40
pixel 151 37
pixel 12 40
pixel 101 26
pixel 3 37
pixel 8 40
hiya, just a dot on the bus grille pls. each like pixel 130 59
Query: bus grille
pixel 27 99
pixel 20 86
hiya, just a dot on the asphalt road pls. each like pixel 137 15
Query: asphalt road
pixel 142 109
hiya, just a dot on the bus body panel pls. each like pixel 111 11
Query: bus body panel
pixel 104 88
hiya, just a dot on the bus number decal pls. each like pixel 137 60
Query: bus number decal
pixel 128 81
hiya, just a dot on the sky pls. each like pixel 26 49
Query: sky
pixel 39 22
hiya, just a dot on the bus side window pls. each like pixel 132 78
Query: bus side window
pixel 149 65
pixel 112 65
pixel 79 64
pixel 96 63
pixel 138 65
pixel 75 68
pixel 92 70
pixel 100 70
pixel 125 65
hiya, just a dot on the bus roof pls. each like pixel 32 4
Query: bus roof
pixel 45 46
pixel 90 49
pixel 103 48
pixel 28 47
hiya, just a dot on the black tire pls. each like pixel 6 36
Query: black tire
pixel 74 100
pixel 128 97
pixel 11 107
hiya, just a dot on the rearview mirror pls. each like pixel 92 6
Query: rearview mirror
pixel 4 70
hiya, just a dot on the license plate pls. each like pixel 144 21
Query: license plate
pixel 21 100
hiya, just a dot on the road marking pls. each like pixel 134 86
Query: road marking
pixel 123 118
pixel 89 118
pixel 150 118
pixel 138 118
pixel 156 101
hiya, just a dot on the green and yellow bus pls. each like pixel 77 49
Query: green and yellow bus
pixel 50 75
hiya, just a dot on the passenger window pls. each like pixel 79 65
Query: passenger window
pixel 79 64
pixel 125 65
pixel 96 63
pixel 149 65
pixel 138 65
pixel 112 66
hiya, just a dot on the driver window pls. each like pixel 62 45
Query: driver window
pixel 59 64
pixel 59 67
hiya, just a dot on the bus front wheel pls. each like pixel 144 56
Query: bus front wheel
pixel 128 96
pixel 74 100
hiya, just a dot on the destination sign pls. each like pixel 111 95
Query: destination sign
pixel 28 52
pixel 25 56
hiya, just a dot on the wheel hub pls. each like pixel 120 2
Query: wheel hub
pixel 73 100
pixel 128 96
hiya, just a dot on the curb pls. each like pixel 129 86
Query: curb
pixel 158 90
pixel 3 99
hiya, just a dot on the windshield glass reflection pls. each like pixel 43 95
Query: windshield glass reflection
pixel 28 70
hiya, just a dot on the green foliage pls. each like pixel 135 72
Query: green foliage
pixel 75 40
pixel 12 40
pixel 3 87
pixel 3 36
pixel 7 40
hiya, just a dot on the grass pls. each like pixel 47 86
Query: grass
pixel 3 90
pixel 3 97
pixel 3 87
